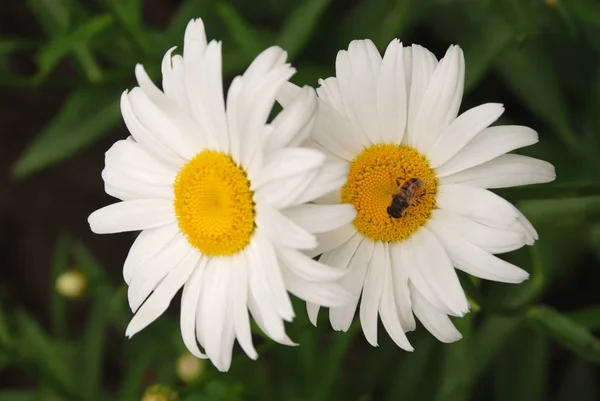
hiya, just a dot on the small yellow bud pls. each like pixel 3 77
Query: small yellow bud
pixel 189 368
pixel 71 284
pixel 160 392
pixel 551 3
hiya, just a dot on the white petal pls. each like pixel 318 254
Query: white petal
pixel 294 123
pixel 474 260
pixel 322 293
pixel 312 310
pixel 189 307
pixel 145 137
pixel 132 215
pixel 126 187
pixel 287 93
pixel 479 204
pixel 283 193
pixel 173 79
pixel 287 162
pixel 156 269
pixel 131 158
pixel 389 312
pixel 335 133
pixel 332 239
pixel 371 295
pixel 504 171
pixel 281 230
pixel 435 321
pixel 490 239
pixel 307 268
pixel 441 101
pixel 269 275
pixel 401 289
pixel 320 218
pixel 461 131
pixel 239 305
pixel 173 130
pixel 421 70
pixel 145 247
pixel 329 92
pixel 392 95
pixel 365 63
pixel 487 145
pixel 438 270
pixel 159 300
pixel 330 177
pixel 341 317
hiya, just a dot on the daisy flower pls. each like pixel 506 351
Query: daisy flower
pixel 418 177
pixel 219 195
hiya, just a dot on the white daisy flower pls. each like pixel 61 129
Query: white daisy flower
pixel 220 196
pixel 418 178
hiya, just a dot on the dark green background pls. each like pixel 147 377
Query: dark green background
pixel 63 65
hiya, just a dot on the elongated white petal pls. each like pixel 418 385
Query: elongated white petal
pixel 388 310
pixel 479 204
pixel 312 310
pixel 329 177
pixel 392 103
pixel 441 101
pixel 435 321
pixel 239 305
pixel 173 79
pixel 421 70
pixel 487 145
pixel 156 269
pixel 371 295
pixel 504 171
pixel 320 218
pixel 189 307
pixel 331 240
pixel 490 239
pixel 461 131
pixel 329 92
pixel 285 163
pixel 401 288
pixel 145 246
pixel 132 215
pixel 353 281
pixel 126 187
pixel 437 269
pixel 287 93
pixel 474 260
pixel 282 230
pixel 307 268
pixel 131 158
pixel 159 300
pixel 335 133
pixel 294 123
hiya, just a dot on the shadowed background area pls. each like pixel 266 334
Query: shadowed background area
pixel 63 66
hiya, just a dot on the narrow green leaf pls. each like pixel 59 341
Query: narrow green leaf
pixel 566 332
pixel 588 317
pixel 458 365
pixel 300 26
pixel 62 45
pixel 394 22
pixel 586 10
pixel 87 115
pixel 529 74
pixel 243 33
pixel 14 45
pixel 94 343
pixel 186 10
pixel 52 15
pixel 522 373
pixel 58 305
pixel 35 346
pixel 127 14
pixel 489 340
pixel 18 395
pixel 571 211
pixel 89 265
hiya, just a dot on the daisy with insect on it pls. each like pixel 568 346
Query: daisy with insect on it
pixel 220 195
pixel 419 179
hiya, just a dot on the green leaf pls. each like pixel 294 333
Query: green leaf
pixel 89 265
pixel 94 343
pixel 58 307
pixel 87 115
pixel 8 46
pixel 458 364
pixel 300 26
pixel 52 15
pixel 528 72
pixel 395 22
pixel 522 373
pixel 489 340
pixel 570 211
pixel 127 14
pixel 586 10
pixel 187 10
pixel 243 33
pixel 588 317
pixel 566 332
pixel 18 395
pixel 36 347
pixel 62 45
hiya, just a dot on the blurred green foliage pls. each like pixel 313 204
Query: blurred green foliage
pixel 539 57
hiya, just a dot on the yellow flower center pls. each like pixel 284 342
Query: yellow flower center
pixel 377 175
pixel 214 205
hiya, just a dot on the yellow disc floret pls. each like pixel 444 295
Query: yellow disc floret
pixel 214 205
pixel 372 182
